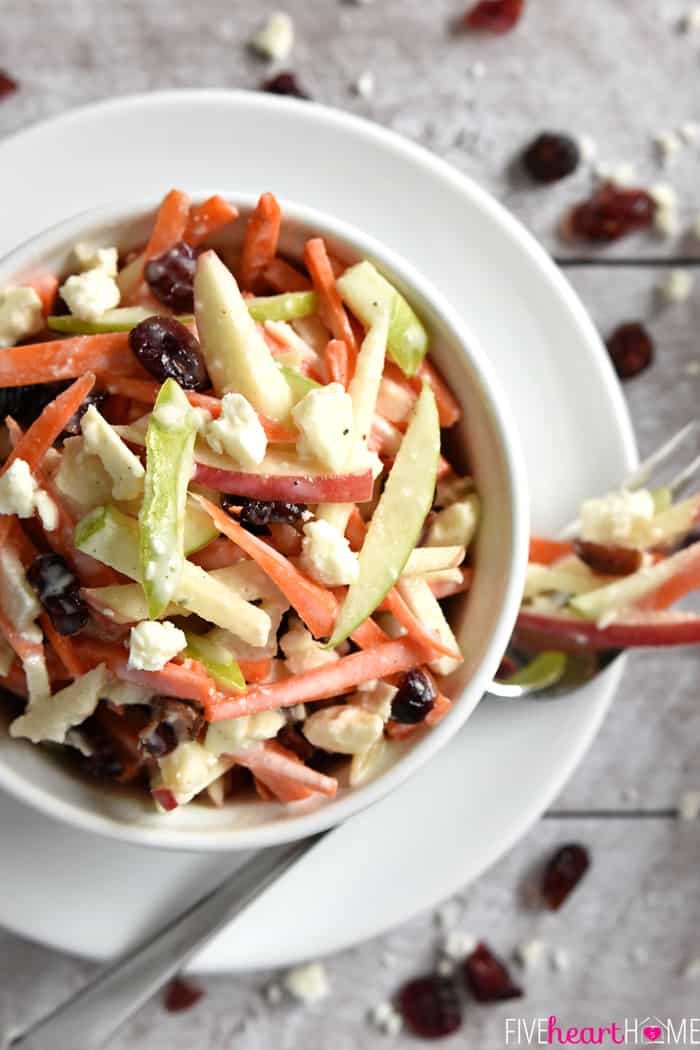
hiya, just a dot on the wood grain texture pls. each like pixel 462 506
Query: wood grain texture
pixel 619 72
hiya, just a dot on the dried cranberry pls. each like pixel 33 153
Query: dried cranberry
pixel 181 995
pixel 7 85
pixel 612 213
pixel 414 698
pixel 607 558
pixel 167 349
pixel 494 16
pixel 170 277
pixel 290 737
pixel 488 977
pixel 96 398
pixel 631 349
pixel 563 872
pixel 172 722
pixel 59 592
pixel 284 84
pixel 430 1006
pixel 551 156
pixel 256 514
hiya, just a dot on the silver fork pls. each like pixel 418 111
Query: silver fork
pixel 581 667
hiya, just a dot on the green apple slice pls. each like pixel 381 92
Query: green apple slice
pixel 122 319
pixel 169 461
pixel 398 519
pixel 543 671
pixel 298 383
pixel 289 306
pixel 237 356
pixel 217 661
pixel 368 294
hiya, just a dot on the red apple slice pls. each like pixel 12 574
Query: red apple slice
pixel 630 629
pixel 290 488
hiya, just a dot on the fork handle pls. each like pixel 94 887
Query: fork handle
pixel 89 1018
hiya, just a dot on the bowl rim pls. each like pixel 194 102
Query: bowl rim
pixel 36 247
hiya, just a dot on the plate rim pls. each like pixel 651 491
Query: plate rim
pixel 558 284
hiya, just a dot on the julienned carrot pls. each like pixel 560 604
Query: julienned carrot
pixel 255 670
pixel 170 225
pixel 448 406
pixel 672 590
pixel 284 278
pixel 395 604
pixel 322 682
pixel 369 635
pixel 331 307
pixel 208 217
pixel 316 606
pixel 63 647
pixel 15 680
pixel 337 362
pixel 402 731
pixel 269 759
pixel 272 785
pixel 45 285
pixel 187 681
pixel 545 552
pixel 107 354
pixel 218 554
pixel 260 241
pixel 356 529
pixel 443 589
pixel 147 390
pixel 40 436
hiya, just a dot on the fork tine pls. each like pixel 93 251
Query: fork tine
pixel 643 472
pixel 680 481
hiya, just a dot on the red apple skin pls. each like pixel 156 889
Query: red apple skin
pixel 165 798
pixel 632 630
pixel 288 488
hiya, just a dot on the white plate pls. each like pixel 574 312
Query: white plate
pixel 463 811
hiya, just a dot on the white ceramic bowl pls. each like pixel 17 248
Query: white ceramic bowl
pixel 483 620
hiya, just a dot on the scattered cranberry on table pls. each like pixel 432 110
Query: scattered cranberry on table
pixel 430 1006
pixel 488 978
pixel 181 995
pixel 8 86
pixel 611 213
pixel 551 156
pixel 284 84
pixel 631 349
pixel 494 16
pixel 563 872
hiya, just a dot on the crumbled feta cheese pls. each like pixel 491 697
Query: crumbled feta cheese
pixel 663 195
pixel 325 419
pixel 689 805
pixel 153 643
pixel 455 525
pixel 125 469
pixel 457 945
pixel 17 490
pixel 343 728
pixel 691 969
pixel 588 148
pixel 303 652
pixel 667 222
pixel 88 295
pixel 88 257
pixel 18 599
pixel 689 132
pixel 21 315
pixel 364 85
pixel 50 718
pixel 619 518
pixel 677 286
pixel 227 736
pixel 326 555
pixel 529 953
pixel 47 510
pixel 668 145
pixel 446 967
pixel 478 70
pixel 276 37
pixel 623 174
pixel 189 769
pixel 36 675
pixel 238 432
pixel 386 1019
pixel 308 983
pixel 377 700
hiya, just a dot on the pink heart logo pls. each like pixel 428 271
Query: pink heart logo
pixel 652 1032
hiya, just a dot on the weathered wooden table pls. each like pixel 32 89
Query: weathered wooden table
pixel 620 73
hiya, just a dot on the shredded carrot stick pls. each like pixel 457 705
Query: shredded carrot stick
pixel 316 606
pixel 273 760
pixel 395 604
pixel 369 635
pixel 45 285
pixel 107 354
pixel 63 647
pixel 332 679
pixel 15 680
pixel 448 406
pixel 281 787
pixel 255 670
pixel 276 431
pixel 260 242
pixel 263 792
pixel 284 278
pixel 356 529
pixel 218 554
pixel 402 731
pixel 170 225
pixel 187 680
pixel 337 362
pixel 331 308
pixel 40 436
pixel 545 551
pixel 208 217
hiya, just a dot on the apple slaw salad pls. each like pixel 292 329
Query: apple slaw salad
pixel 227 523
